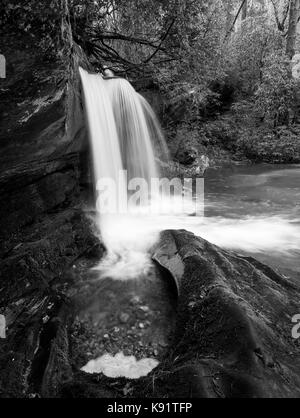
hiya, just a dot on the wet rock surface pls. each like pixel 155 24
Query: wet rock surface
pixel 40 101
pixel 233 335
pixel 43 231
pixel 32 295
pixel 218 323
pixel 29 190
pixel 134 317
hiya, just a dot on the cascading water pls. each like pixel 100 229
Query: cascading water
pixel 124 133
pixel 123 129
pixel 134 135
pixel 107 157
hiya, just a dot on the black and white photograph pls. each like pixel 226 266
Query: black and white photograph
pixel 149 202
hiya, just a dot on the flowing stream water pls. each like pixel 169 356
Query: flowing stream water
pixel 256 209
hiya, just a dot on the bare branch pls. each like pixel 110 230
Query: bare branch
pixel 280 24
pixel 161 42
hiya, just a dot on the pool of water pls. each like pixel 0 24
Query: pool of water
pixel 255 209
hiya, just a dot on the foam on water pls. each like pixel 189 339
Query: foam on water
pixel 133 236
pixel 121 366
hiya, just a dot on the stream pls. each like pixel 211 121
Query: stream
pixel 124 322
pixel 256 210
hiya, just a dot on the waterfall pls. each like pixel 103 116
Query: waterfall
pixel 107 158
pixel 123 132
pixel 124 135
pixel 134 135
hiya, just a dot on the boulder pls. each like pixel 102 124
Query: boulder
pixel 234 326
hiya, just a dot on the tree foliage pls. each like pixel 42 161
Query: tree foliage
pixel 212 56
pixel 192 48
pixel 36 20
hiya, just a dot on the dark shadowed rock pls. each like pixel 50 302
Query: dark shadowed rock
pixel 33 302
pixel 40 101
pixel 28 190
pixel 42 230
pixel 44 142
pixel 233 335
pixel 187 156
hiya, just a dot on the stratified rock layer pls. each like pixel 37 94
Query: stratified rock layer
pixel 43 139
pixel 40 101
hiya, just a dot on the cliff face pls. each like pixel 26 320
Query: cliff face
pixel 41 111
pixel 42 140
pixel 42 128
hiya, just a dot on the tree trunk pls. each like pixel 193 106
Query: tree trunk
pixel 244 10
pixel 292 30
pixel 229 10
pixel 237 18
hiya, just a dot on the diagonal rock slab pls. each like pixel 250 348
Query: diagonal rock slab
pixel 233 335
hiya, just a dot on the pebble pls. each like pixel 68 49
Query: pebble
pixel 106 336
pixel 141 325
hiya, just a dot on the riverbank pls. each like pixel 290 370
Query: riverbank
pixel 224 140
pixel 254 209
pixel 229 135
